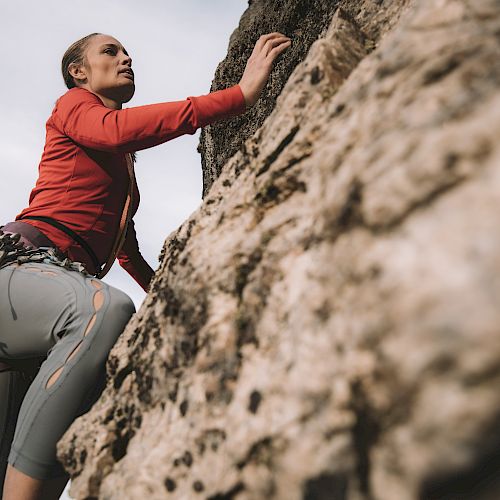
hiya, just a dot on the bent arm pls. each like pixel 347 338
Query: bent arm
pixel 82 116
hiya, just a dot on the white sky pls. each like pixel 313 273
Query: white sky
pixel 175 47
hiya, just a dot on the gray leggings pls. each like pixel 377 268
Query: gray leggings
pixel 62 324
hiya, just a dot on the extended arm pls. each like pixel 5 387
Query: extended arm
pixel 82 116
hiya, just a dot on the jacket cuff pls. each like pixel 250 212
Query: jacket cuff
pixel 218 105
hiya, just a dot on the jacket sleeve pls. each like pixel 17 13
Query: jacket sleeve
pixel 130 258
pixel 81 115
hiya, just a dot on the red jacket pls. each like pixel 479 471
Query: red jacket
pixel 83 177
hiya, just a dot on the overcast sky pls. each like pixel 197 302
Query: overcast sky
pixel 175 47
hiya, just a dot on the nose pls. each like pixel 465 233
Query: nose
pixel 127 60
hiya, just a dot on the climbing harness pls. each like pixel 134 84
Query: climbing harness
pixel 14 250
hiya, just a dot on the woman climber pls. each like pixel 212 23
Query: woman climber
pixel 58 320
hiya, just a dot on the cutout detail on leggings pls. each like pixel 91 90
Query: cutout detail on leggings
pixel 35 269
pixel 96 284
pixel 90 325
pixel 54 377
pixel 98 301
pixel 75 350
pixel 56 374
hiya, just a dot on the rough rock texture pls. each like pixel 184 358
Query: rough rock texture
pixel 326 325
pixel 303 21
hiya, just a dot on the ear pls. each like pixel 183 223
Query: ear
pixel 78 72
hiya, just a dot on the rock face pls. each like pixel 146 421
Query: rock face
pixel 326 325
pixel 304 21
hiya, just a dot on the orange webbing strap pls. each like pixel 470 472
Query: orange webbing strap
pixel 124 220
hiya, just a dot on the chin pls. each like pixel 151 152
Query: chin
pixel 126 92
pixel 121 93
pixel 127 97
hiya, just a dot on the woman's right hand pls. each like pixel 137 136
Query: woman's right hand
pixel 260 64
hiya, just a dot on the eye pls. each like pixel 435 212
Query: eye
pixel 109 50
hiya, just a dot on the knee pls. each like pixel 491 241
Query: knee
pixel 121 305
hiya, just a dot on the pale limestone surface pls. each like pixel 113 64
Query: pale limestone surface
pixel 326 324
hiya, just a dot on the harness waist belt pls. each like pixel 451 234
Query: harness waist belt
pixel 71 234
pixel 32 235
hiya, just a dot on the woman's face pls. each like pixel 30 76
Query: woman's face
pixel 107 69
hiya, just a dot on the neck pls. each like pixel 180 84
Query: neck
pixel 108 102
